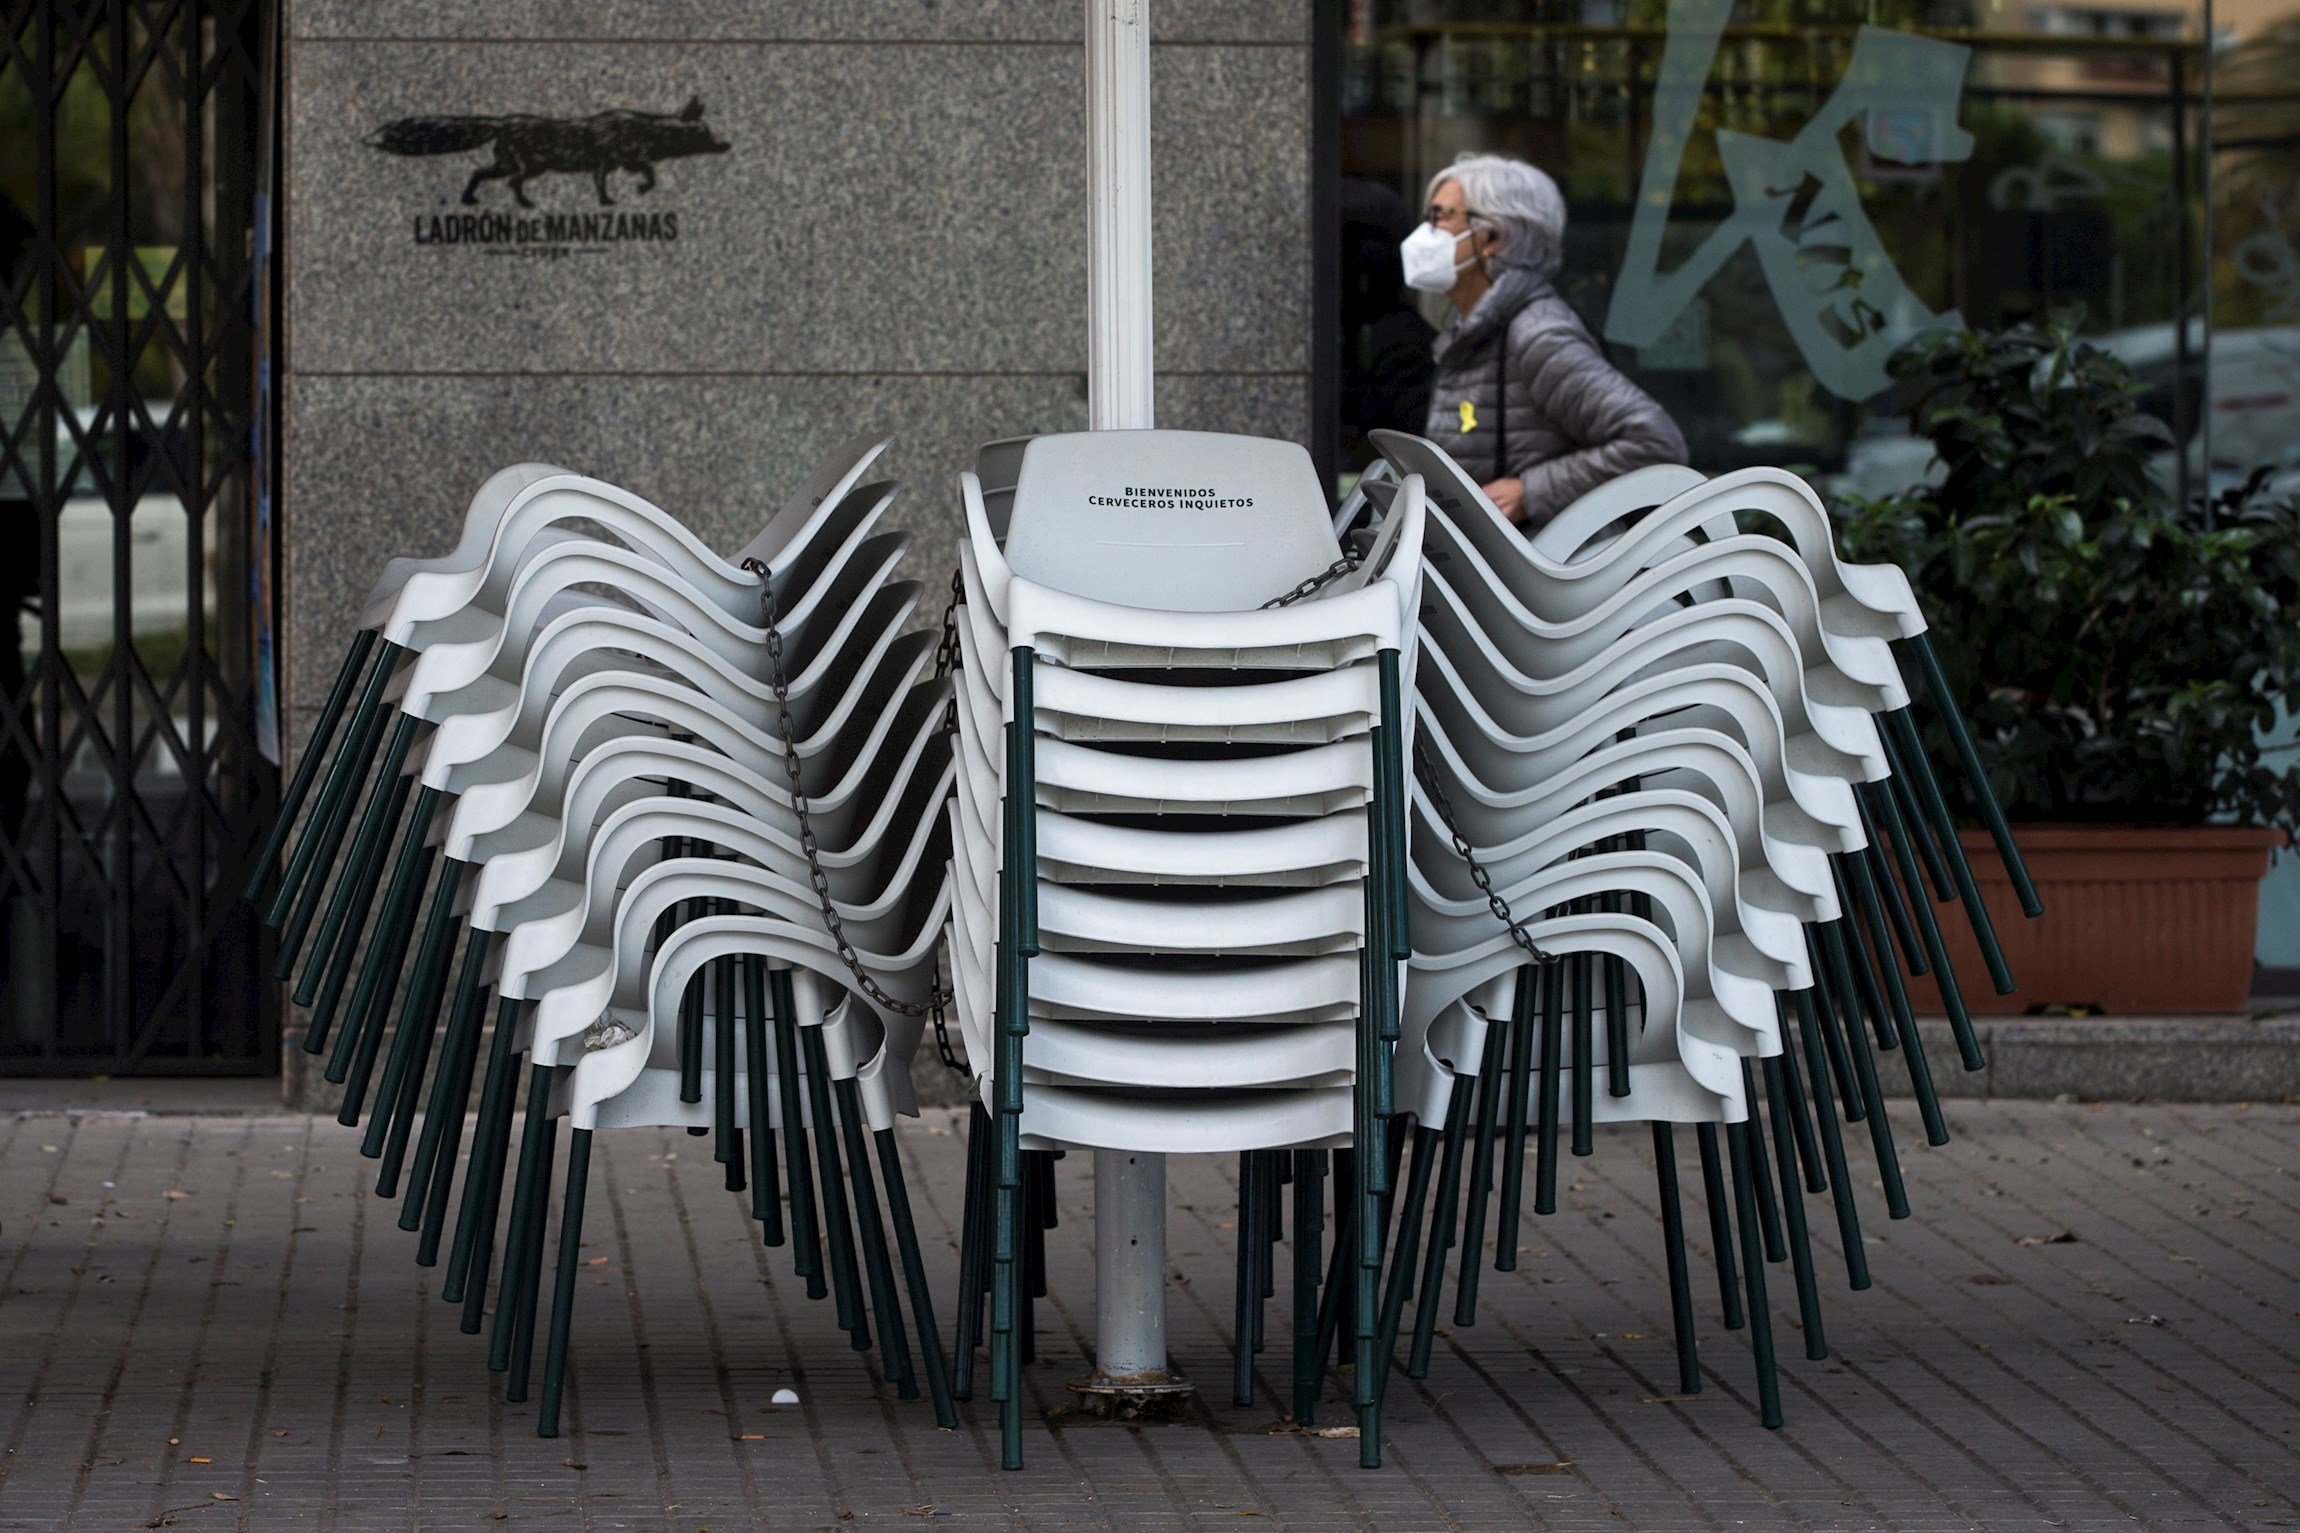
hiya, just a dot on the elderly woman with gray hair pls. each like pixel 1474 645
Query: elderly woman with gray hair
pixel 1523 397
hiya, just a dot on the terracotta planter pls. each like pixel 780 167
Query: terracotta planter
pixel 2137 919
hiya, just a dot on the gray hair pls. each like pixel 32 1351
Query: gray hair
pixel 1517 199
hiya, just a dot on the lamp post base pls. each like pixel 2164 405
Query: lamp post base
pixel 1135 1396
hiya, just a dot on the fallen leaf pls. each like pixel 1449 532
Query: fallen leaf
pixel 571 1464
pixel 1562 1466
pixel 1635 1336
pixel 1988 1279
pixel 197 1460
pixel 172 1196
pixel 2144 1320
pixel 2061 1238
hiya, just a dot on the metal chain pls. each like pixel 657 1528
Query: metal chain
pixel 1426 769
pixel 938 1001
pixel 1315 583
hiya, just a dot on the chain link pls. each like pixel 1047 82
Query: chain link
pixel 937 1004
pixel 1316 583
pixel 1426 769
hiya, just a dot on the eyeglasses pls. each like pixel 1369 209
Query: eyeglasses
pixel 1440 216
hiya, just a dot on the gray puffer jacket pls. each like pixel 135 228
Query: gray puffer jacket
pixel 1573 420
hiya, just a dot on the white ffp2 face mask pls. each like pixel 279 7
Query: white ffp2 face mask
pixel 1428 257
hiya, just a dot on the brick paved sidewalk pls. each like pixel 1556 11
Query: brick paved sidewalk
pixel 2089 1323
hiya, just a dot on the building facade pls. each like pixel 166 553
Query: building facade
pixel 287 282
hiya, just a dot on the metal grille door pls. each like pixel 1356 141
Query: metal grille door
pixel 132 788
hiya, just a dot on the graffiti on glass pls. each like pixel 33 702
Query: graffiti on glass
pixel 1795 201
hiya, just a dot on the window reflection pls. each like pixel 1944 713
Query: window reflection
pixel 1768 196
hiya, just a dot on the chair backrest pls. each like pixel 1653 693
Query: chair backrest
pixel 1187 521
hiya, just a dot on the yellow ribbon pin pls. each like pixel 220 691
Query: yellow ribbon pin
pixel 1468 417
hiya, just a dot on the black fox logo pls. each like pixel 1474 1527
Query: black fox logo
pixel 527 147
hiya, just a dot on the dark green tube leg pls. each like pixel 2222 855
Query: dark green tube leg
pixel 846 1288
pixel 806 1228
pixel 1952 851
pixel 378 827
pixel 526 1196
pixel 473 1251
pixel 1720 1226
pixel 1793 1210
pixel 923 1326
pixel 1480 1177
pixel 308 765
pixel 442 1136
pixel 563 1294
pixel 315 849
pixel 1309 1227
pixel 1547 1096
pixel 894 1348
pixel 1832 1146
pixel 1533 985
pixel 1737 1141
pixel 1441 1231
pixel 1673 1253
pixel 758 1082
pixel 1881 807
pixel 1976 777
pixel 410 1056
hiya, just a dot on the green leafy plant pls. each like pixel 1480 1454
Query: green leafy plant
pixel 2116 654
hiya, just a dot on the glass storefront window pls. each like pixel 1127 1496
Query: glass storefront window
pixel 1768 197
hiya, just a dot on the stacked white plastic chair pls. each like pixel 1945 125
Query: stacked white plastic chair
pixel 1179 843
pixel 660 779
pixel 1656 744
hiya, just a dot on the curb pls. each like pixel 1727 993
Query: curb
pixel 2238 1058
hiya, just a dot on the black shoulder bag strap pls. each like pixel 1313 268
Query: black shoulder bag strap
pixel 1501 406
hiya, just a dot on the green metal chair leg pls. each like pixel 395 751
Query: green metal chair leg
pixel 806 1229
pixel 727 1147
pixel 1405 1254
pixel 442 1137
pixel 1800 1110
pixel 758 1078
pixel 323 832
pixel 1832 1036
pixel 1793 1210
pixel 1833 1146
pixel 927 1332
pixel 973 1251
pixel 525 1197
pixel 1768 1208
pixel 1738 1138
pixel 1880 806
pixel 1509 1219
pixel 1673 1253
pixel 1615 976
pixel 1976 777
pixel 1904 1021
pixel 1441 1231
pixel 1584 1064
pixel 379 977
pixel 425 999
pixel 473 1252
pixel 1720 1226
pixel 1546 1105
pixel 845 1287
pixel 1480 1176
pixel 1865 1073
pixel 894 1347
pixel 308 764
pixel 1246 1287
pixel 378 827
pixel 1911 815
pixel 530 1295
pixel 1952 850
pixel 404 1067
pixel 563 1291
pixel 1309 1227
pixel 1915 957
